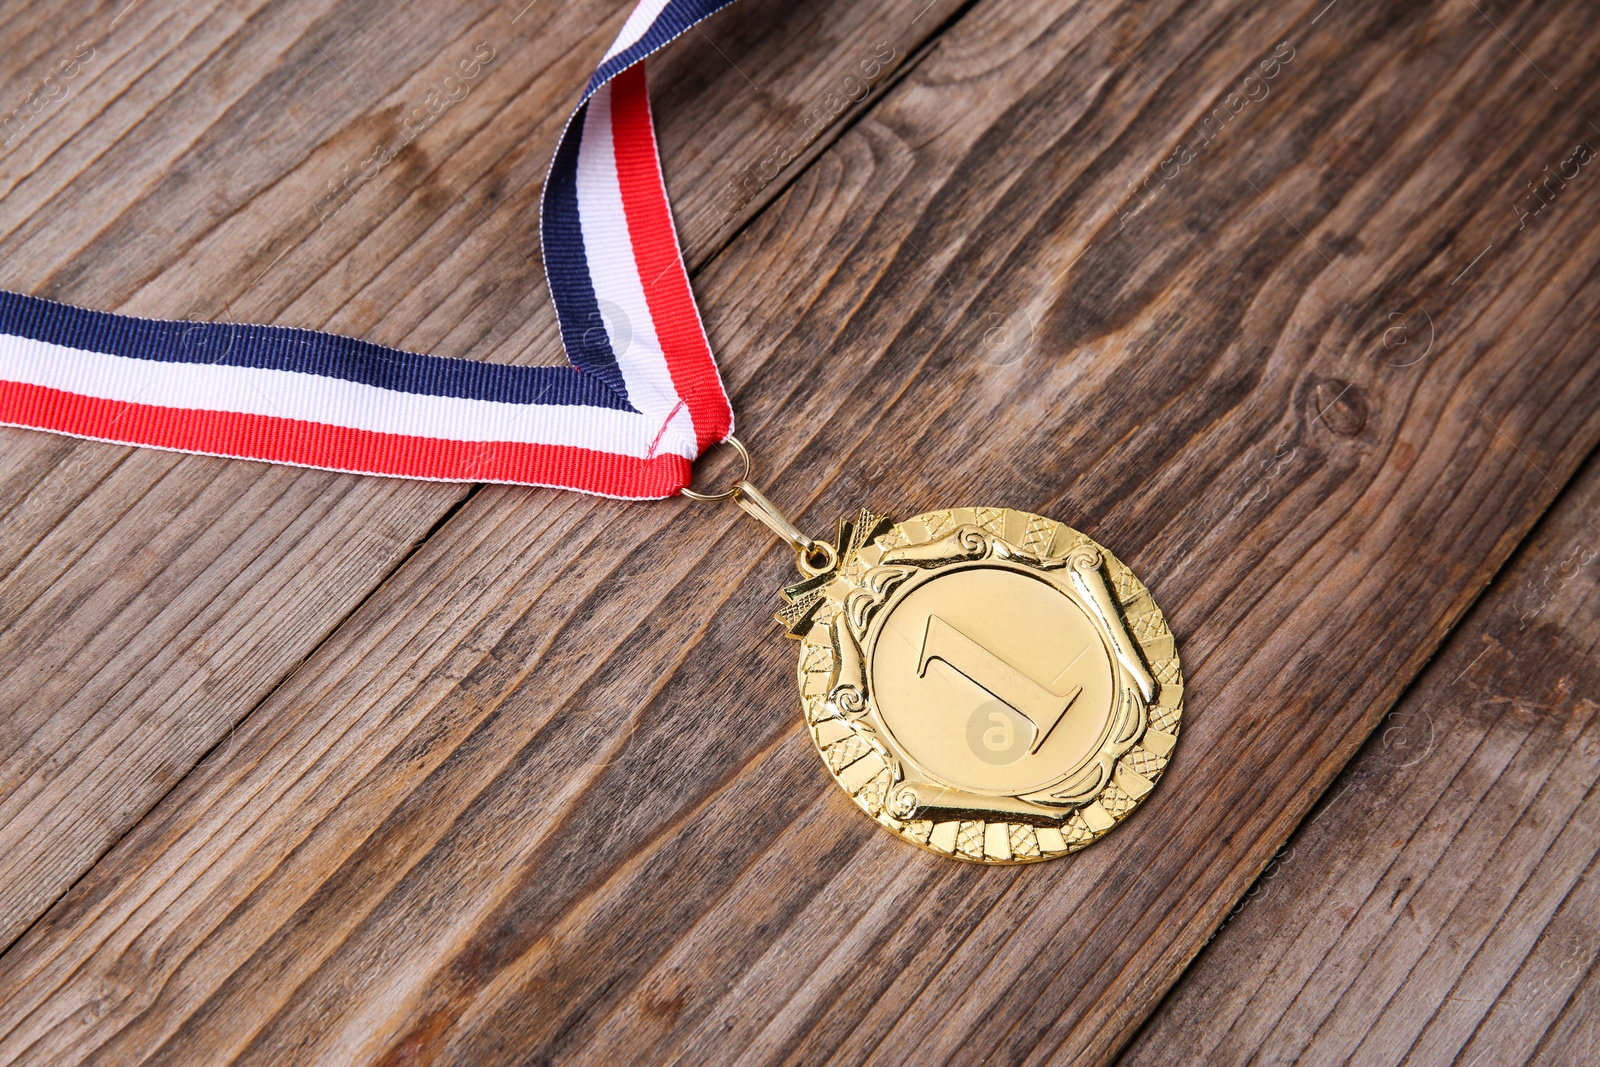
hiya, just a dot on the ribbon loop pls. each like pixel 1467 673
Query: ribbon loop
pixel 639 401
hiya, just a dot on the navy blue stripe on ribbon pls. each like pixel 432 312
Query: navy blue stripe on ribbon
pixel 302 351
pixel 674 19
pixel 566 265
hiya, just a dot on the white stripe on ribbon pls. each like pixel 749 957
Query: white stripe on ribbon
pixel 613 269
pixel 333 401
pixel 638 23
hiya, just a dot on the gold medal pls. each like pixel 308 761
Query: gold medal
pixel 986 683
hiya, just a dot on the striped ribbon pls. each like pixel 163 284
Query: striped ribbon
pixel 639 401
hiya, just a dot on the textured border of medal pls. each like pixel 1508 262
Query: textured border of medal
pixel 865 769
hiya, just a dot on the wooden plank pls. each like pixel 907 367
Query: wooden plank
pixel 544 794
pixel 1438 906
pixel 149 601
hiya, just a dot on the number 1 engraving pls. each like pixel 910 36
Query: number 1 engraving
pixel 1038 705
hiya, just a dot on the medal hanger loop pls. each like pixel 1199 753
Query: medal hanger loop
pixel 812 557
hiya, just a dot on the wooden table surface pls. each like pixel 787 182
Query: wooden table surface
pixel 1294 306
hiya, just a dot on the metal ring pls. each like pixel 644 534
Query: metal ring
pixel 727 494
pixel 802 555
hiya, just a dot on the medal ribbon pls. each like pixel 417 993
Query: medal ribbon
pixel 639 401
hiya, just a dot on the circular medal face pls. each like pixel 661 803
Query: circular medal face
pixel 986 683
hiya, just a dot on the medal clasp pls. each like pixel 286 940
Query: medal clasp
pixel 811 556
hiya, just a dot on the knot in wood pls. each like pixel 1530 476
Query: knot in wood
pixel 1341 406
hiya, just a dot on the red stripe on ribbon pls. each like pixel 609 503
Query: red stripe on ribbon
pixel 316 444
pixel 655 250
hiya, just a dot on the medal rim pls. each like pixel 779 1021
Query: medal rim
pixel 1139 615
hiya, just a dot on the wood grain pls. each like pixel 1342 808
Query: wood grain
pixel 147 601
pixel 1439 906
pixel 544 795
